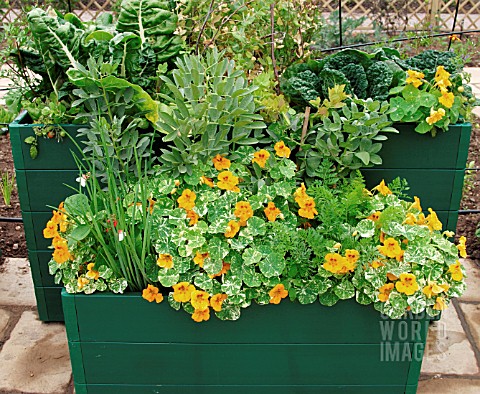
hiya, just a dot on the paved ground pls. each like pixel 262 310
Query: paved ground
pixel 34 355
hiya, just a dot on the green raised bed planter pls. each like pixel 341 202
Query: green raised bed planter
pixel 123 344
pixel 433 166
pixel 42 182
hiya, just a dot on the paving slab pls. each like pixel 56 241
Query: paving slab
pixel 449 386
pixel 472 316
pixel 4 319
pixel 448 350
pixel 472 293
pixel 35 358
pixel 16 285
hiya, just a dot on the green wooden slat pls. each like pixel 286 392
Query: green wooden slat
pixel 409 149
pixel 34 223
pixel 300 389
pixel 49 303
pixel 39 265
pixel 22 188
pixel 437 189
pixel 76 359
pixel 346 322
pixel 250 364
pixel 70 313
pixel 44 188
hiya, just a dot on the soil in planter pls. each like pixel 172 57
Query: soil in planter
pixel 12 238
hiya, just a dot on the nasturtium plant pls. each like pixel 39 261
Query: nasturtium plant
pixel 222 242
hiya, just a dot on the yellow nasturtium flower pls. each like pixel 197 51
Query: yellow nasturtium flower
pixel 440 304
pixel 456 271
pixel 352 255
pixel 462 246
pixel 382 188
pixel 81 282
pixel 415 78
pixel 432 221
pixel 200 258
pixel 261 157
pixel 61 253
pixel 447 99
pixel 50 230
pixel 207 181
pixel 182 291
pixel 165 260
pixel 307 208
pixel 277 293
pixel 416 204
pixel 228 181
pixel 374 216
pixel 435 116
pixel 200 299
pixel 390 248
pixel 281 149
pixel 334 262
pixel 407 284
pixel 151 293
pixel 91 273
pixel 193 216
pixel 243 211
pixel 442 78
pixel 187 199
pixel 433 289
pixel 232 229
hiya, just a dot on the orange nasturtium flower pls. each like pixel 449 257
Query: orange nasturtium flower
pixel 277 293
pixel 392 277
pixel 57 217
pixel 200 258
pixel 61 253
pixel 165 260
pixel 200 299
pixel 216 301
pixel 456 271
pixel 182 291
pixel 151 294
pixel 193 216
pixel 385 291
pixel 407 284
pixel 221 163
pixel 271 211
pixel 382 188
pixel 81 282
pixel 281 149
pixel 390 248
pixel 201 315
pixel 261 157
pixel 50 230
pixel 435 116
pixel 432 221
pixel 228 181
pixel 232 229
pixel 462 247
pixel 440 304
pixel 187 199
pixel 415 78
pixel 301 194
pixel 91 273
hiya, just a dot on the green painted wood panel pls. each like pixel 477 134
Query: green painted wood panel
pixel 408 149
pixel 34 223
pixel 39 260
pixel 52 154
pixel 38 189
pixel 245 364
pixel 49 303
pixel 449 219
pixel 101 318
pixel 215 389
pixel 437 189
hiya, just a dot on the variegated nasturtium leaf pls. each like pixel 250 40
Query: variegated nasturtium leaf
pixel 232 285
pixel 251 256
pixel 203 281
pixel 256 226
pixel 229 311
pixel 272 264
pixel 417 302
pixel 168 277
pixel 363 298
pixel 174 304
pixel 344 290
pixel 288 168
pixel 329 298
pixel 250 277
pixel 366 228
